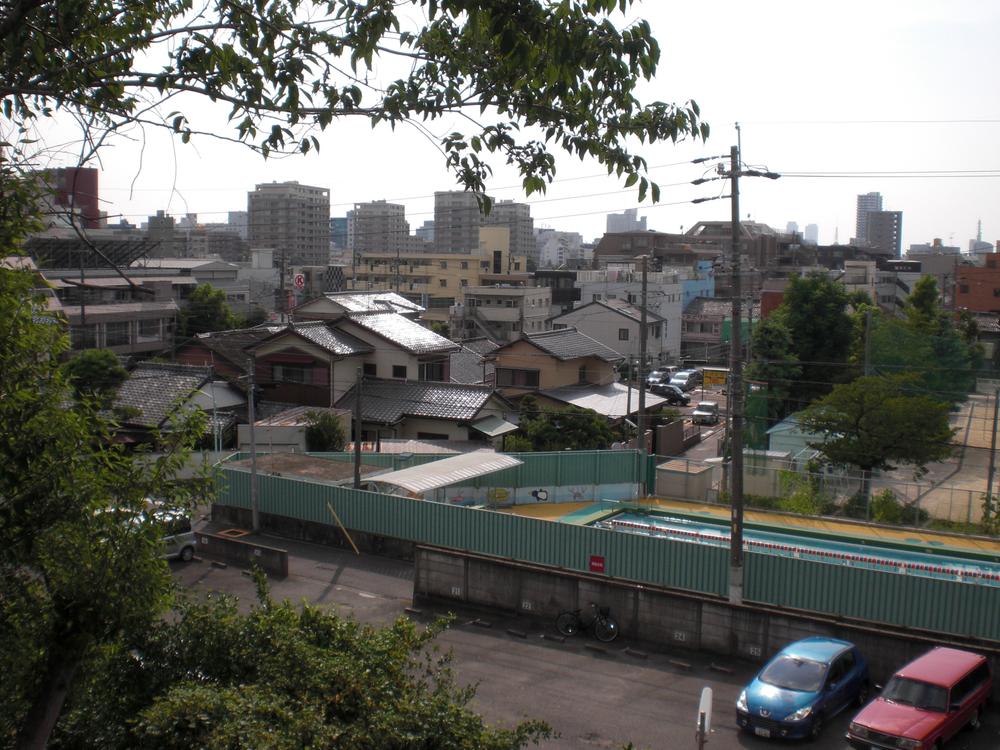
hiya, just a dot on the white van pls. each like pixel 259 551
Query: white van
pixel 179 541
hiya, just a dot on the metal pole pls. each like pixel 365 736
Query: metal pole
pixel 642 381
pixel 254 500
pixel 988 508
pixel 736 397
pixel 358 432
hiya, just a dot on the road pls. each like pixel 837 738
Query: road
pixel 592 699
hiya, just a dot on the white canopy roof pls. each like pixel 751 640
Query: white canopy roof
pixel 448 471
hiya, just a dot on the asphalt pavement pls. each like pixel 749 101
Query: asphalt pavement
pixel 593 695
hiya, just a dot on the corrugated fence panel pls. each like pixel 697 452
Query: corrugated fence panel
pixel 926 603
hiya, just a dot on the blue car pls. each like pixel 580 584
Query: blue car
pixel 805 684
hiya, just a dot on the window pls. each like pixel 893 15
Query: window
pixel 623 334
pixel 465 265
pixel 963 288
pixel 996 292
pixel 83 337
pixel 517 378
pixel 582 375
pixel 444 264
pixel 149 330
pixel 431 436
pixel 291 374
pixel 116 334
pixel 517 265
pixel 465 282
pixel 399 371
pixel 442 282
pixel 595 298
pixel 433 371
pixel 368 369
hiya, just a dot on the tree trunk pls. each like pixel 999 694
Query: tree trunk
pixel 47 706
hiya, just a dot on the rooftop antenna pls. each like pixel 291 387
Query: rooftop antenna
pixel 979 231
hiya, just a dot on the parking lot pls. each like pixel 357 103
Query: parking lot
pixel 594 696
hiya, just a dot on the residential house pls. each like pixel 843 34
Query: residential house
pixel 618 325
pixel 502 312
pixel 469 364
pixel 224 351
pixel 707 326
pixel 428 411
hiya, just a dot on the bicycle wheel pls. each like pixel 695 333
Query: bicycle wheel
pixel 605 629
pixel 568 623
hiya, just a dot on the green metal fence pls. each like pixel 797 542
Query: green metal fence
pixel 905 601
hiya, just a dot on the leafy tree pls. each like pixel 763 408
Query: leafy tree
pixel 774 362
pixel 207 310
pixel 286 69
pixel 96 374
pixel 324 432
pixel 568 429
pixel 79 562
pixel 877 421
pixel 280 676
pixel 815 313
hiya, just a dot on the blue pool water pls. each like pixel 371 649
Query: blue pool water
pixel 809 548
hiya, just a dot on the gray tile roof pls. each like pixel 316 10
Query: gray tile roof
pixel 628 310
pixel 480 346
pixel 330 338
pixel 364 302
pixel 404 333
pixel 468 366
pixel 156 390
pixel 388 401
pixel 231 345
pixel 569 343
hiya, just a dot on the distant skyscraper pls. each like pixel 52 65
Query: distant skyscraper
pixel 456 221
pixel 792 227
pixel 291 219
pixel 239 221
pixel 811 234
pixel 885 231
pixel 626 221
pixel 338 232
pixel 378 226
pixel 517 218
pixel 867 203
pixel 426 231
pixel 71 190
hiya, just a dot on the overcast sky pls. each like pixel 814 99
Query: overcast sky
pixel 881 86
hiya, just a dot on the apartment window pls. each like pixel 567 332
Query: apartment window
pixel 433 371
pixel 465 265
pixel 300 374
pixel 517 265
pixel 623 334
pixel 996 292
pixel 399 371
pixel 116 334
pixel 963 288
pixel 149 330
pixel 595 298
pixel 368 369
pixel 464 282
pixel 444 264
pixel 442 282
pixel 582 375
pixel 517 378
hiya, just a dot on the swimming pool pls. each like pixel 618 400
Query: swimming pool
pixel 830 551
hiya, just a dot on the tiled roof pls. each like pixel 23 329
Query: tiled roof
pixel 330 338
pixel 366 302
pixel 628 310
pixel 480 346
pixel 157 390
pixel 404 333
pixel 231 345
pixel 612 400
pixel 569 343
pixel 388 401
pixel 468 366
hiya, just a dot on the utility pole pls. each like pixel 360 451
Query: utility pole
pixel 736 395
pixel 358 431
pixel 988 509
pixel 642 380
pixel 868 338
pixel 254 501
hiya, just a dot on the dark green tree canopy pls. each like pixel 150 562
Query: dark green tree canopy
pixel 206 310
pixel 774 363
pixel 95 373
pixel 877 421
pixel 286 68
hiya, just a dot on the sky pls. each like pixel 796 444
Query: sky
pixel 845 98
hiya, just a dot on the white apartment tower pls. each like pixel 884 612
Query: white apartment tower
pixel 293 220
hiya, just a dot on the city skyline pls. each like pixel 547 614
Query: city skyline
pixel 921 132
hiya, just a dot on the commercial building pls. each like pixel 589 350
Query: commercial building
pixel 291 219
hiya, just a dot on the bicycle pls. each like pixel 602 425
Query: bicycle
pixel 605 626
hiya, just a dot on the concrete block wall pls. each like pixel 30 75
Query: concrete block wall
pixel 660 618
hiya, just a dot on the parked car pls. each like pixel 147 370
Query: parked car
pixel 179 540
pixel 674 395
pixel 686 379
pixel 660 375
pixel 706 412
pixel 926 702
pixel 804 685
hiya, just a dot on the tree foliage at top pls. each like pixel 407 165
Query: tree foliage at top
pixel 280 676
pixel 79 560
pixel 288 68
pixel 206 310
pixel 572 428
pixel 815 312
pixel 324 432
pixel 774 363
pixel 96 374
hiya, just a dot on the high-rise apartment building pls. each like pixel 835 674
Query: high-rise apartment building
pixel 867 203
pixel 457 219
pixel 378 226
pixel 71 191
pixel 811 234
pixel 627 221
pixel 293 220
pixel 885 231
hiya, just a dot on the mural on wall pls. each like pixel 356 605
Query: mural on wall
pixel 523 495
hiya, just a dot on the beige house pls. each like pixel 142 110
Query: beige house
pixel 551 359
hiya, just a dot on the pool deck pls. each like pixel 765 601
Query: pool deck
pixel 585 513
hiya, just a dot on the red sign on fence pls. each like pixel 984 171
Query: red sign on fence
pixel 596 564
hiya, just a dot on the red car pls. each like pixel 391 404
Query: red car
pixel 925 703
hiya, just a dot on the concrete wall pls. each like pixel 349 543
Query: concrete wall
pixel 661 618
